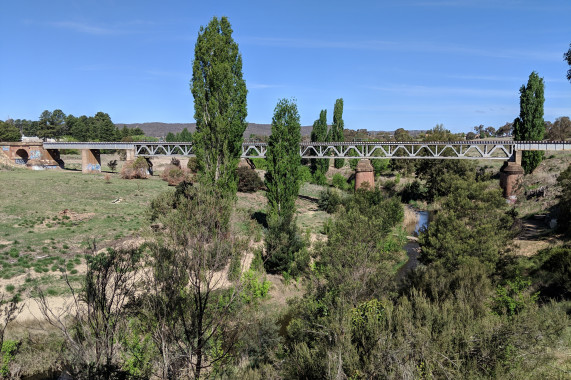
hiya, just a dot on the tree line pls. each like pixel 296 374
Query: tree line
pixel 56 124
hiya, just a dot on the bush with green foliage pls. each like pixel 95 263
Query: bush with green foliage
pixel 8 132
pixel 413 191
pixel 564 207
pixel 329 200
pixel 550 270
pixel 192 165
pixel 474 222
pixel 319 178
pixel 441 175
pixel 380 165
pixel 248 180
pixel 8 351
pixel 339 181
pixel 305 174
pixel 260 163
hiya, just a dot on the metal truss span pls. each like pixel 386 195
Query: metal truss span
pixel 490 150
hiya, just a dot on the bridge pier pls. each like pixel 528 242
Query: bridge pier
pixel 511 174
pixel 129 154
pixel 90 161
pixel 364 173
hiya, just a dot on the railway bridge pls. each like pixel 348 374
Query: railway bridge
pixel 46 155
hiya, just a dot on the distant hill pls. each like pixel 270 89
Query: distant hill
pixel 158 130
pixel 161 129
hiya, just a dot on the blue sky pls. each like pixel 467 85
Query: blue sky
pixel 409 63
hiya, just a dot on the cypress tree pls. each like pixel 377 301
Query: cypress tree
pixel 337 128
pixel 529 126
pixel 219 93
pixel 282 181
pixel 319 134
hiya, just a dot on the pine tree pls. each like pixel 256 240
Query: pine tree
pixel 337 128
pixel 8 132
pixel 184 136
pixel 106 130
pixel 282 181
pixel 219 93
pixel 170 137
pixel 319 133
pixel 529 126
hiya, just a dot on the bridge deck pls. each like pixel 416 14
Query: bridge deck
pixel 493 150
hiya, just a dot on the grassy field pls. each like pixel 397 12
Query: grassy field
pixel 49 218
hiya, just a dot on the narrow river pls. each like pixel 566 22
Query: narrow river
pixel 412 248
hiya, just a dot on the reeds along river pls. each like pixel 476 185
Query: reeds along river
pixel 412 247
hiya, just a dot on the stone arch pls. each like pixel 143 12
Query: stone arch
pixel 21 156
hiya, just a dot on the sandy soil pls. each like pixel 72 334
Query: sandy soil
pixel 31 309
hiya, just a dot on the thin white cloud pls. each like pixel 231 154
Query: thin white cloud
pixel 499 78
pixel 410 90
pixel 170 74
pixel 86 28
pixel 261 86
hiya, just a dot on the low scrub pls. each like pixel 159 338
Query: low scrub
pixel 136 169
pixel 175 175
pixel 248 180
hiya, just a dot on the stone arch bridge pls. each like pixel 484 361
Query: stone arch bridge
pixel 46 155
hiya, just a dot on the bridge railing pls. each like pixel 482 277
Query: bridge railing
pixel 494 149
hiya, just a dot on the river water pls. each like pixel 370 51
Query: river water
pixel 412 248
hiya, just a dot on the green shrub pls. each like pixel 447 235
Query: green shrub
pixel 260 163
pixel 192 165
pixel 380 165
pixel 305 174
pixel 319 178
pixel 413 191
pixel 329 200
pixel 9 349
pixel 283 244
pixel 10 288
pixel 14 252
pixel 254 289
pixel 248 180
pixel 339 181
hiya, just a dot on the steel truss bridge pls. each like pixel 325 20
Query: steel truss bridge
pixel 474 150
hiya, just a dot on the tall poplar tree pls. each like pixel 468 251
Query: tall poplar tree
pixel 319 134
pixel 219 93
pixel 529 126
pixel 567 57
pixel 282 181
pixel 337 128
